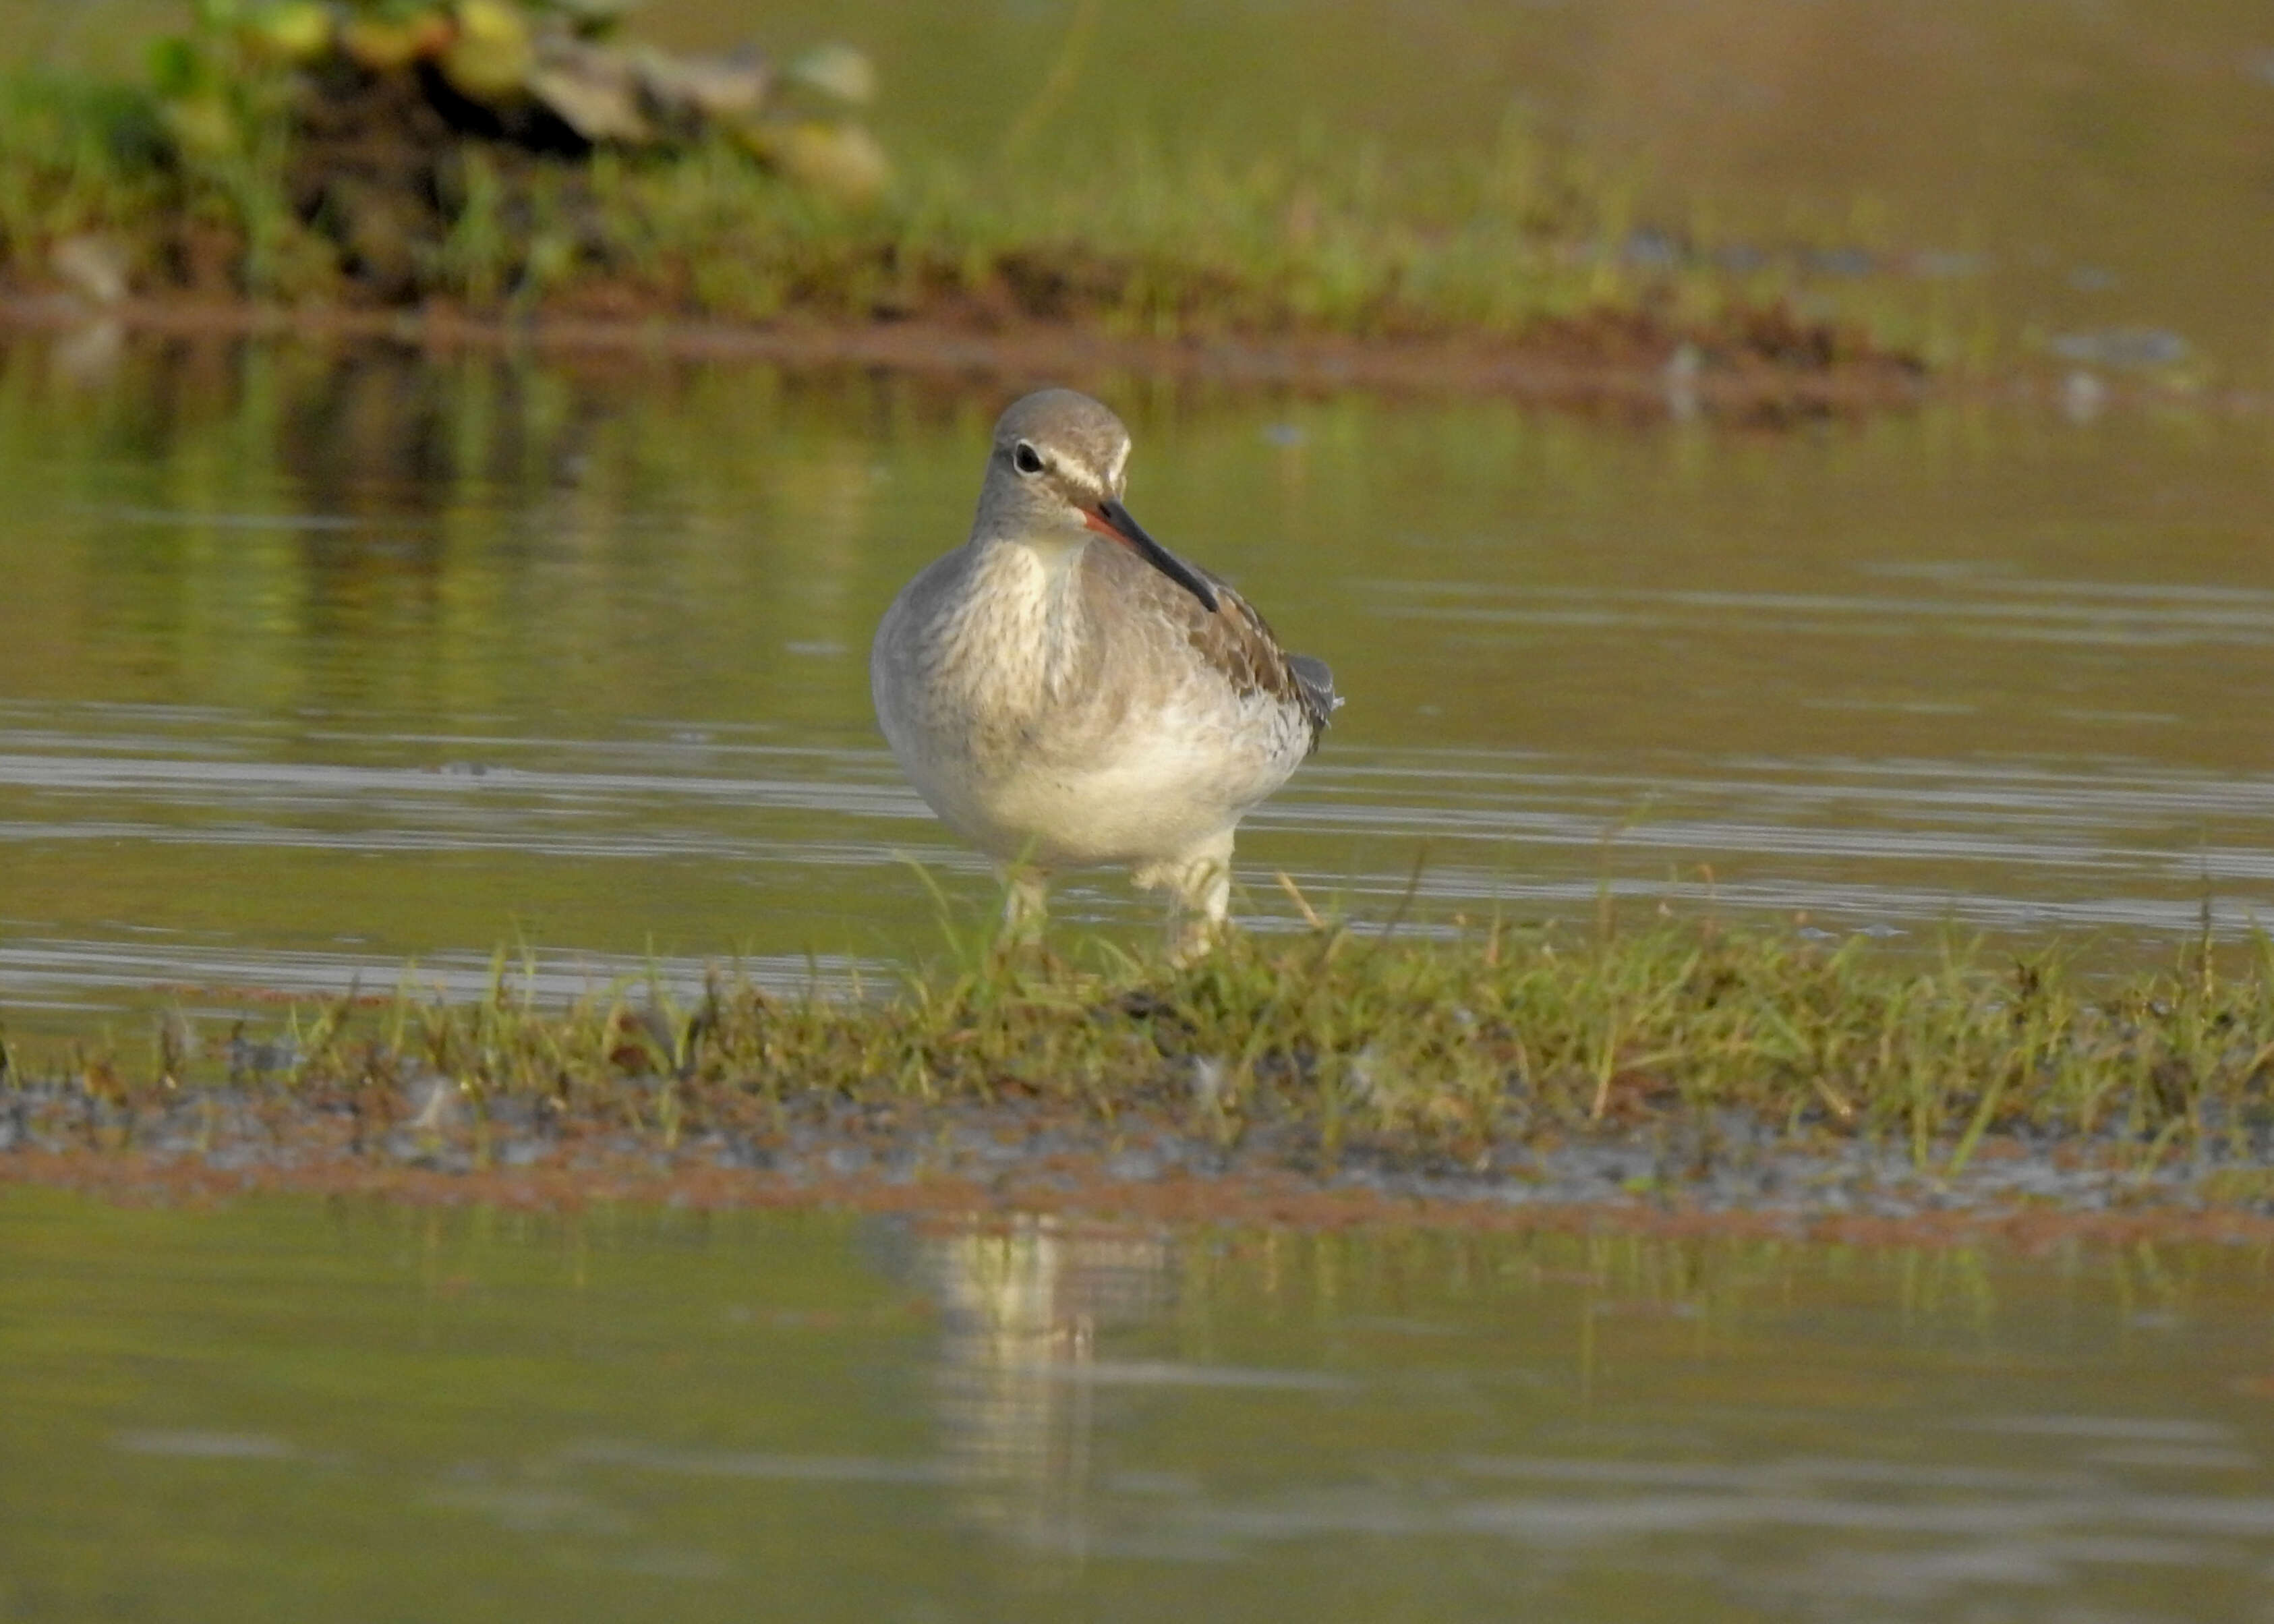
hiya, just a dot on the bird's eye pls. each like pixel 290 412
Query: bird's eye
pixel 1025 459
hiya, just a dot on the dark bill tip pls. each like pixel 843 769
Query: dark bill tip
pixel 1113 519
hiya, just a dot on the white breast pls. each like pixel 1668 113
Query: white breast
pixel 971 674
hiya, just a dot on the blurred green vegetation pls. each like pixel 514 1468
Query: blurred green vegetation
pixel 506 155
pixel 1974 188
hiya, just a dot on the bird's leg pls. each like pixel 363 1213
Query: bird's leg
pixel 1025 899
pixel 1196 914
pixel 1199 884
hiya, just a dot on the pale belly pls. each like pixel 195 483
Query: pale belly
pixel 1158 795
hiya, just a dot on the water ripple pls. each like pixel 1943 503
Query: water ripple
pixel 1895 846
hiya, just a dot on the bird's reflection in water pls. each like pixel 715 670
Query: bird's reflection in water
pixel 1023 1300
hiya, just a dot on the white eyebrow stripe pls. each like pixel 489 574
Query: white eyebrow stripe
pixel 1121 460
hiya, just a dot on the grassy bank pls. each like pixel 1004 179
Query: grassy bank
pixel 264 161
pixel 1447 1051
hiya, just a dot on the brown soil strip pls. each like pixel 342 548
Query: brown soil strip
pixel 1081 1186
pixel 1612 362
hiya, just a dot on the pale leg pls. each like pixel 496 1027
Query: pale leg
pixel 1199 884
pixel 1026 900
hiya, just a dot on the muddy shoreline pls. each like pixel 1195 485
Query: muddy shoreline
pixel 1725 1178
pixel 1603 364
pixel 1637 385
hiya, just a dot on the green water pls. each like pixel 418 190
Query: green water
pixel 312 666
pixel 291 1410
pixel 312 663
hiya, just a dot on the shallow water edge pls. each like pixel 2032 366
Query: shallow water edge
pixel 1009 1161
pixel 1560 365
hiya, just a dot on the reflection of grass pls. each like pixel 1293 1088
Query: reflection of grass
pixel 1331 240
pixel 1490 1037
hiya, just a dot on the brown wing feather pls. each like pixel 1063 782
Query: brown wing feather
pixel 1235 640
pixel 1238 642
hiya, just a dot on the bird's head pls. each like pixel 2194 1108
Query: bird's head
pixel 1054 480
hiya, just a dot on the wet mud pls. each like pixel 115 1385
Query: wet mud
pixel 1761 366
pixel 1726 1174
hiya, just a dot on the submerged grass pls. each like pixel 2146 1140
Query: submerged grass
pixel 1431 1048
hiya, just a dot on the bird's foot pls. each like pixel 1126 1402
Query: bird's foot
pixel 1200 890
pixel 1194 936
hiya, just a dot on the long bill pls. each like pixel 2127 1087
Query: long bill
pixel 1113 519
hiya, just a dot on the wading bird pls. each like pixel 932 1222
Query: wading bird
pixel 1065 692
